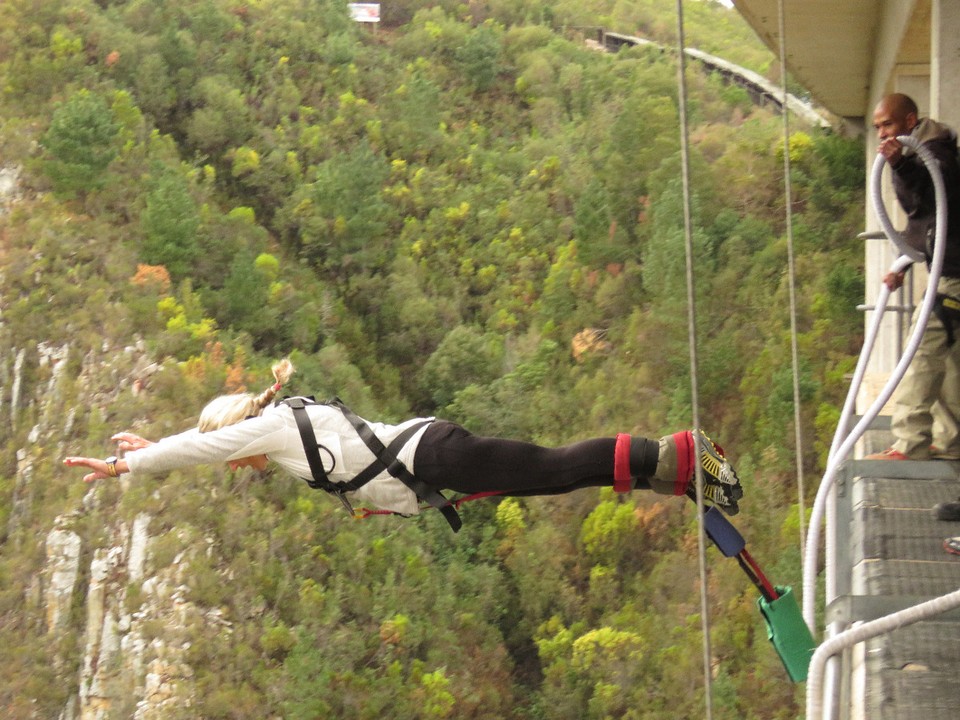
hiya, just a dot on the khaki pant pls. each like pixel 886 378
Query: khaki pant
pixel 926 406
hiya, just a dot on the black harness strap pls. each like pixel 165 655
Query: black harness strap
pixel 386 459
pixel 947 310
pixel 377 467
pixel 311 449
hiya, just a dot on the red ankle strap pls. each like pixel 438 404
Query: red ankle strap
pixel 685 460
pixel 621 464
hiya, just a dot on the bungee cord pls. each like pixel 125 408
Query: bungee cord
pixel 792 275
pixel 836 640
pixel 692 342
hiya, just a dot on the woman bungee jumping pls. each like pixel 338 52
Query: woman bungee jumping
pixel 395 467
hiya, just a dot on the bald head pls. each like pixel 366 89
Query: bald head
pixel 896 114
pixel 899 105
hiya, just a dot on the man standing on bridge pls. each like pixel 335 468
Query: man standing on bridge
pixel 931 385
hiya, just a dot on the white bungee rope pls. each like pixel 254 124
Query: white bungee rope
pixel 792 284
pixel 839 450
pixel 692 343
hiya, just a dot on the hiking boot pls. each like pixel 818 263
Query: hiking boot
pixel 721 486
pixel 949 511
pixel 888 454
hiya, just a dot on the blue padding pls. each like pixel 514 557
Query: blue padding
pixel 724 535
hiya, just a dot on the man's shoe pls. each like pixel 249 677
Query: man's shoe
pixel 952 545
pixel 888 454
pixel 938 454
pixel 949 511
pixel 721 486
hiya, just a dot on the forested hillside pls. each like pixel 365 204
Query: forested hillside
pixel 465 211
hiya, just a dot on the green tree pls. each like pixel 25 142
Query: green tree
pixel 223 119
pixel 464 357
pixel 341 217
pixel 479 57
pixel 170 222
pixel 80 144
pixel 413 129
pixel 155 90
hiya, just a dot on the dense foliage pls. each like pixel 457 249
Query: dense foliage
pixel 427 215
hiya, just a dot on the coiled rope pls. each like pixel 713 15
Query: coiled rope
pixel 840 450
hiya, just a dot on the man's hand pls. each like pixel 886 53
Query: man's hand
pixel 893 280
pixel 891 149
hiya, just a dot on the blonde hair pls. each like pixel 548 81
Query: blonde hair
pixel 231 409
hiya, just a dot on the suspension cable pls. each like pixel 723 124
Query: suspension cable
pixel 788 202
pixel 692 341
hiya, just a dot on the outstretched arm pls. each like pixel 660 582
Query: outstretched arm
pixel 126 441
pixel 100 468
pixel 256 436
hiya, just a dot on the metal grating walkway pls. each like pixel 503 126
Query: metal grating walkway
pixel 890 556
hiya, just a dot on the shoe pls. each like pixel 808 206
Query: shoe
pixel 888 454
pixel 952 545
pixel 938 454
pixel 949 511
pixel 721 486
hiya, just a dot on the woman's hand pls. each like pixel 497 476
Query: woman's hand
pixel 127 441
pixel 100 468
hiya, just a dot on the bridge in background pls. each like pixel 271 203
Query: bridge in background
pixel 761 90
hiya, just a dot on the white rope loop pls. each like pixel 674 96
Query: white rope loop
pixel 844 448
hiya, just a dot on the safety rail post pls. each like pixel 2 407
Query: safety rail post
pixel 905 306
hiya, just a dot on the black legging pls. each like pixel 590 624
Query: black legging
pixel 451 458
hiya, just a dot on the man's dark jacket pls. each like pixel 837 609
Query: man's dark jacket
pixel 914 187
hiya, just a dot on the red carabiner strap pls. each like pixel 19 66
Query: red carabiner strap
pixel 364 513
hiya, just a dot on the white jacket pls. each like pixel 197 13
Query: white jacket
pixel 274 434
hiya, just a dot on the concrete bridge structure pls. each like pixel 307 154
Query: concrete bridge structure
pixel 761 90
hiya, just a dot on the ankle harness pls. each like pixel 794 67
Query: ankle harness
pixel 633 461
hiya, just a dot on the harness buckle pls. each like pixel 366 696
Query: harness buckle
pixel 346 504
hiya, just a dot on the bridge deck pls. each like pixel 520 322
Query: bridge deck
pixel 892 557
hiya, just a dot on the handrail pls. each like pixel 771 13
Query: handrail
pixel 866 631
pixel 825 503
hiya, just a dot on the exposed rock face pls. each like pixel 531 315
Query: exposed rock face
pixel 63 566
pixel 101 644
pixel 22 494
pixel 137 617
pixel 15 388
pixel 133 660
pixel 138 547
pixel 9 185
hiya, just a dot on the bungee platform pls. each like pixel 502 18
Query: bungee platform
pixel 889 556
